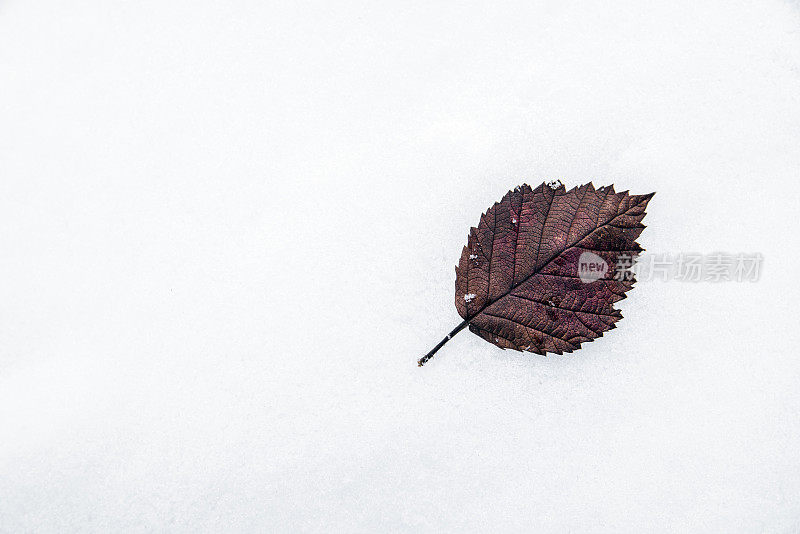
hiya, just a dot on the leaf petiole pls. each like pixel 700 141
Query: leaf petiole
pixel 447 338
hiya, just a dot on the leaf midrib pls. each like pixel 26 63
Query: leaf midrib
pixel 546 263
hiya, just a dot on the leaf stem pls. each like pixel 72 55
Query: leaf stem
pixel 447 338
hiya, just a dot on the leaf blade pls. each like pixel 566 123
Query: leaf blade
pixel 517 282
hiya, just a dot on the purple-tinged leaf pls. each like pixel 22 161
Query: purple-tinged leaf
pixel 544 267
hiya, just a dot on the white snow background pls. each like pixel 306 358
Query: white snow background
pixel 229 229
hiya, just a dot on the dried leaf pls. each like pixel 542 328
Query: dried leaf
pixel 544 267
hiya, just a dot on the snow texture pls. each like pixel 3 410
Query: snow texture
pixel 229 231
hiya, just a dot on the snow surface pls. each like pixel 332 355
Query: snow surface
pixel 229 231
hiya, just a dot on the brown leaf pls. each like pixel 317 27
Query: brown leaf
pixel 544 267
